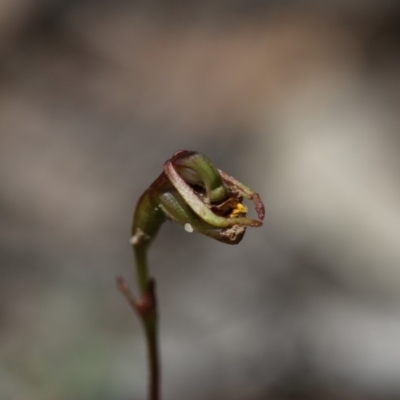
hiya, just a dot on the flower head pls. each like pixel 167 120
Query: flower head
pixel 194 193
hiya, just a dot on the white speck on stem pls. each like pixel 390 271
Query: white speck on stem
pixel 188 228
pixel 138 237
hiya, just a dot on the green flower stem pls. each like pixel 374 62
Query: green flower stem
pixel 142 271
pixel 146 310
pixel 151 333
pixel 146 306
pixel 148 313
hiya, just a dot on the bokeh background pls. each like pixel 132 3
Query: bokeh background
pixel 299 99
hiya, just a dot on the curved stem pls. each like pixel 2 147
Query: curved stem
pixel 151 333
pixel 147 310
pixel 142 271
pixel 147 221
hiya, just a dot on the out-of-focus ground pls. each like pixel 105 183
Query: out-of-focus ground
pixel 298 99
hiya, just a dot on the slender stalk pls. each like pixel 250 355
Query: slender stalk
pixel 151 333
pixel 142 270
pixel 148 313
pixel 146 310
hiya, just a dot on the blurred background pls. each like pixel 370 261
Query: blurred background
pixel 298 99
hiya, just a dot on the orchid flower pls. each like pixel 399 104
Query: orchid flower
pixel 192 192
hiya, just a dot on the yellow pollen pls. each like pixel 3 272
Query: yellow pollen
pixel 238 209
